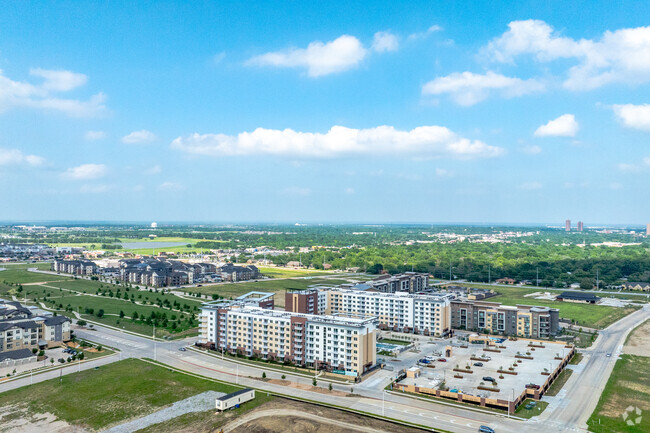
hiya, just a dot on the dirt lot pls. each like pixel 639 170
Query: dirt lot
pixel 281 416
pixel 639 341
pixel 15 419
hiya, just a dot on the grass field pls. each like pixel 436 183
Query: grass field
pixel 529 413
pixel 559 382
pixel 22 276
pixel 628 386
pixel 292 273
pixel 110 395
pixel 592 316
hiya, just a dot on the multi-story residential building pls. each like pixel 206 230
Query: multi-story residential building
pixel 335 343
pixel 643 287
pixel 230 272
pixel 411 282
pixel 75 267
pixel 399 311
pixel 19 329
pixel 302 301
pixel 521 320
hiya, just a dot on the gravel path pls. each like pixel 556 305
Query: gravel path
pixel 197 403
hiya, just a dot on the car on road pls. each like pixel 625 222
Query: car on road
pixel 488 379
pixel 478 364
pixel 182 349
pixel 608 355
pixel 485 429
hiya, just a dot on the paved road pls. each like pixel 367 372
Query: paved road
pixel 571 409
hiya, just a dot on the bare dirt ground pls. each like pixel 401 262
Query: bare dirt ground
pixel 15 419
pixel 280 416
pixel 639 341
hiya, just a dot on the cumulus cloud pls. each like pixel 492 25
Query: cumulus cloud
pixel 420 35
pixel 170 186
pixel 634 116
pixel 153 170
pixel 138 137
pixel 564 126
pixel 22 94
pixel 86 172
pixel 467 88
pixel 618 56
pixel 339 141
pixel 94 135
pixel 16 157
pixel 384 41
pixel 319 58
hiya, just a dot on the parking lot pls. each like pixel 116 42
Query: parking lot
pixel 436 368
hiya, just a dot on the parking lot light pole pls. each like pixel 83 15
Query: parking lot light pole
pixel 383 392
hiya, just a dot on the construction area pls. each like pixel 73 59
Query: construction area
pixel 487 371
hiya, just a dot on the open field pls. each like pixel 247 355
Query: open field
pixel 638 342
pixel 278 415
pixel 272 272
pixel 628 386
pixel 592 316
pixel 110 395
pixel 559 382
pixel 232 290
pixel 22 276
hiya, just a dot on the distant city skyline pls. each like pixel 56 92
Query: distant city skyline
pixel 330 112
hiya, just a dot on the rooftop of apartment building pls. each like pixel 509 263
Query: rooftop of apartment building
pixel 346 320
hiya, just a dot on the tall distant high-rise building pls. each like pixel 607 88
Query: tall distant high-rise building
pixel 567 226
pixel 647 230
pixel 580 226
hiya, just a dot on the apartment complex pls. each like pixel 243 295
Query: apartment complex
pixel 399 311
pixel 344 345
pixel 230 272
pixel 75 267
pixel 19 329
pixel 521 320
pixel 411 282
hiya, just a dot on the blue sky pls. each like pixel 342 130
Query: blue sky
pixel 325 112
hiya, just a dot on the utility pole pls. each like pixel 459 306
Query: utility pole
pixel 537 279
pixel 597 287
pixel 449 271
pixel 489 274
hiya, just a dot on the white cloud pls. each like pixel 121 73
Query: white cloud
pixel 467 88
pixel 86 172
pixel 434 28
pixel 136 137
pixel 349 190
pixel 384 41
pixel 634 116
pixel 318 58
pixel 59 81
pixel 296 191
pixel 564 126
pixel 22 94
pixel 628 168
pixel 532 149
pixel 170 186
pixel 15 157
pixel 618 56
pixel 531 186
pixel 94 135
pixel 153 170
pixel 339 141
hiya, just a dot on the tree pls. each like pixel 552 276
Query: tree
pixel 121 314
pixel 314 382
pixel 100 313
pixel 264 375
pixel 81 322
pixel 587 283
pixel 135 315
pixel 330 386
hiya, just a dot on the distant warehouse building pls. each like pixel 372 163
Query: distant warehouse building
pixel 587 298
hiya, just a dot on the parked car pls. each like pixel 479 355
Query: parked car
pixel 478 364
pixel 182 349
pixel 532 385
pixel 442 360
pixel 529 406
pixel 485 429
pixel 424 361
pixel 488 379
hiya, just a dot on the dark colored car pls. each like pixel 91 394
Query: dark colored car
pixel 478 364
pixel 485 429
pixel 488 379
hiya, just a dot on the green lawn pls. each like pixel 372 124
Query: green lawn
pixel 628 386
pixel 290 273
pixel 397 342
pixel 110 395
pixel 592 316
pixel 529 413
pixel 22 276
pixel 559 382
